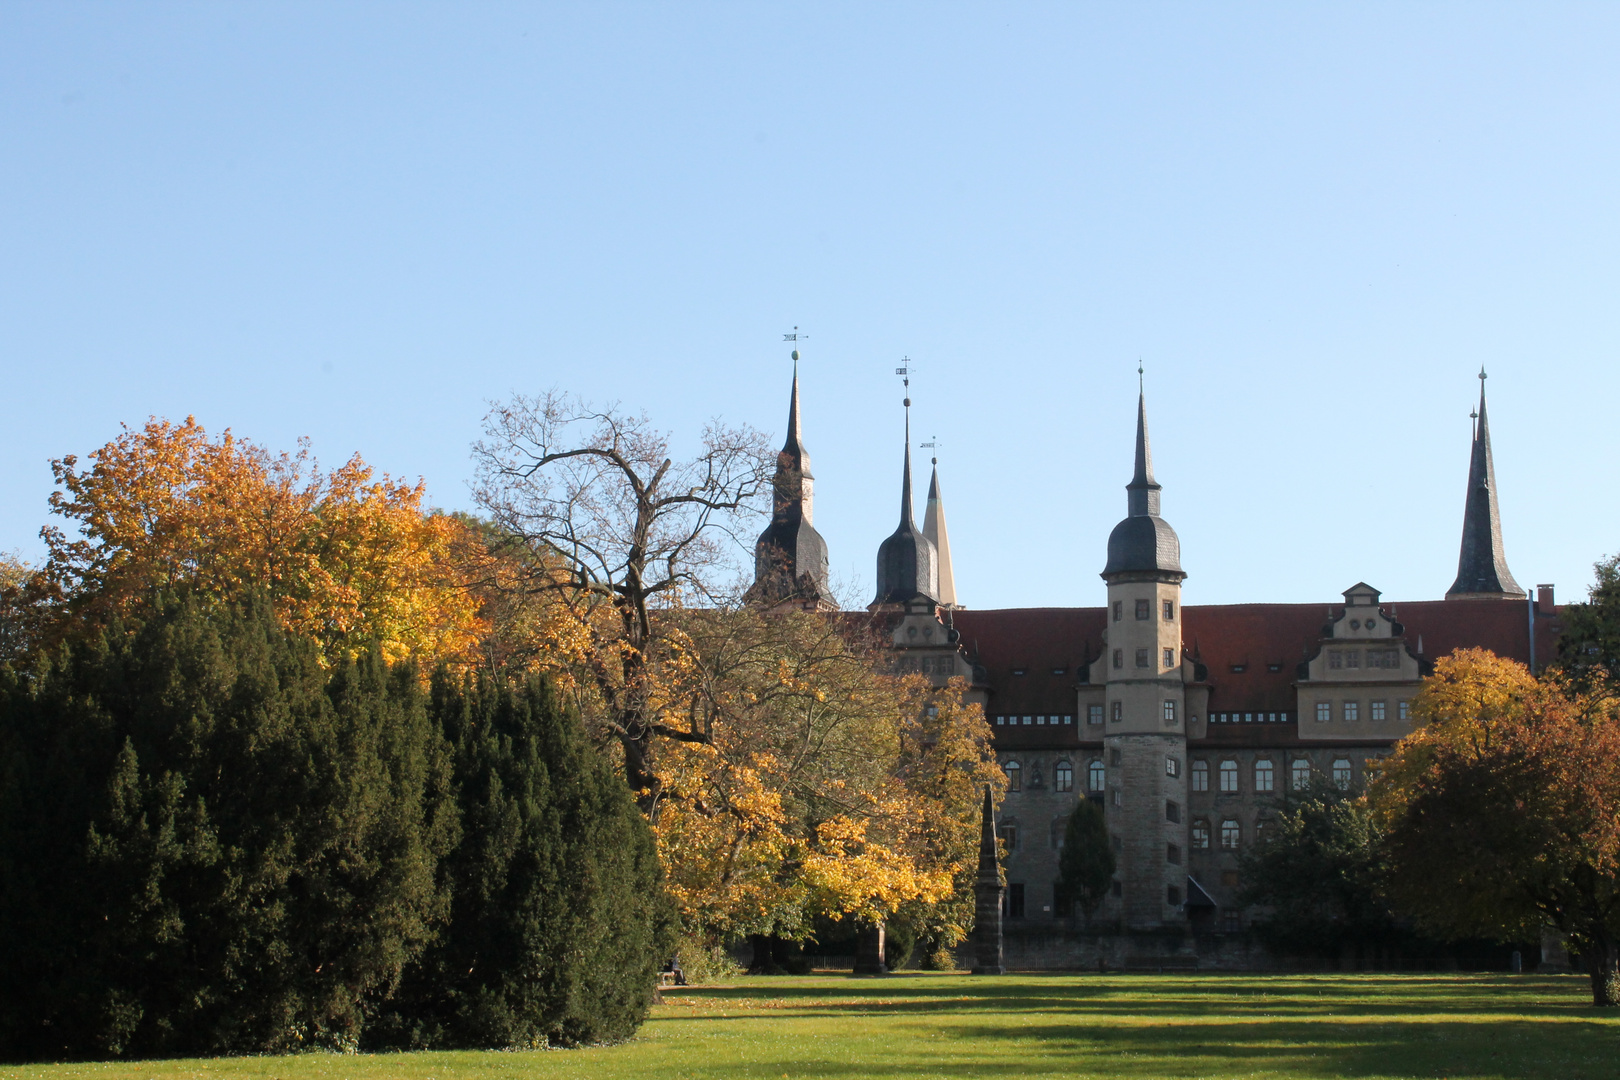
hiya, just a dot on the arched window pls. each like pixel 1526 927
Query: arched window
pixel 1096 778
pixel 1200 834
pixel 1015 776
pixel 1341 774
pixel 1264 777
pixel 1200 776
pixel 1229 776
pixel 1300 774
pixel 1008 831
pixel 1231 834
pixel 1063 776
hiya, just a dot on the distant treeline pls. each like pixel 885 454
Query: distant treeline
pixel 213 842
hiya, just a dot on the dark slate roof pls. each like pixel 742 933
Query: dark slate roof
pixel 1144 542
pixel 1481 565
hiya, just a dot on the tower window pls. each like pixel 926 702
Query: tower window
pixel 1119 711
pixel 1119 658
pixel 1142 610
pixel 1169 611
pixel 1142 660
pixel 1172 811
pixel 1095 776
pixel 1172 895
pixel 1172 765
pixel 1200 776
pixel 1116 756
pixel 1015 776
pixel 1119 797
pixel 1172 854
pixel 1169 658
pixel 1229 776
pixel 1093 714
pixel 1119 610
pixel 1063 777
pixel 1169 710
pixel 1264 776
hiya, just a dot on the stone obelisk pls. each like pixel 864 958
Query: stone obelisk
pixel 987 891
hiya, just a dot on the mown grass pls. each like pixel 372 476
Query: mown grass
pixel 1068 1025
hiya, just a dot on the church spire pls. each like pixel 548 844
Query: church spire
pixel 1482 570
pixel 790 557
pixel 906 565
pixel 934 529
pixel 1143 490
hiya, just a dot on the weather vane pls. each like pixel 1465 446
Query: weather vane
pixel 931 444
pixel 904 371
pixel 794 336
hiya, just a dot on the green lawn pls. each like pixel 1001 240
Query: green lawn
pixel 927 1025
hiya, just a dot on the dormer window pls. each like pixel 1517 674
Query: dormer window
pixel 1059 671
pixel 1238 669
pixel 1273 667
pixel 1018 671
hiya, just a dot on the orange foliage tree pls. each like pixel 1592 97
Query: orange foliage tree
pixel 347 559
pixel 1503 811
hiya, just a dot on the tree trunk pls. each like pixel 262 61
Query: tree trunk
pixel 1603 963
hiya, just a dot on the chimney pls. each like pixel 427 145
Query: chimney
pixel 1544 600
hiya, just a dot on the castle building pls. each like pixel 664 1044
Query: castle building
pixel 1188 725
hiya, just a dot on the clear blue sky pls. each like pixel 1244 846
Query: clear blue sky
pixel 1313 224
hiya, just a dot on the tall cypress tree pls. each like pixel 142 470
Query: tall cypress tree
pixel 210 844
pixel 559 919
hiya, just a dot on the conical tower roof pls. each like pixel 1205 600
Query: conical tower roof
pixel 934 529
pixel 1482 569
pixel 790 556
pixel 1143 543
pixel 907 568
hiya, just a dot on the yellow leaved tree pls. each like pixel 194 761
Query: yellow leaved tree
pixel 346 558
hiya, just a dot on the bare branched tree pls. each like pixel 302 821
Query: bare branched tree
pixel 618 530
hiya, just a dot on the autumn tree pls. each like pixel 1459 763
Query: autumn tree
pixel 618 533
pixel 1589 647
pixel 346 559
pixel 1503 811
pixel 1086 864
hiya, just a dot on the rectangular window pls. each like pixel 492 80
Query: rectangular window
pixel 1142 658
pixel 1172 811
pixel 1352 711
pixel 1027 719
pixel 1172 765
pixel 1169 658
pixel 1116 757
pixel 1335 659
pixel 1142 610
pixel 1041 721
pixel 1341 774
pixel 1229 776
pixel 1009 837
pixel 1324 712
pixel 1068 719
pixel 1119 798
pixel 1404 710
pixel 1169 611
pixel 1000 720
pixel 1015 901
pixel 1172 854
pixel 1200 776
pixel 1300 774
pixel 1264 775
pixel 1172 895
pixel 1119 889
pixel 1169 711
pixel 1200 835
pixel 1376 711
pixel 1093 714
pixel 1352 658
pixel 1119 610
pixel 1231 835
pixel 1119 658
pixel 1119 711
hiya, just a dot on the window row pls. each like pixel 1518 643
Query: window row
pixel 1144 610
pixel 1265 775
pixel 1248 718
pixel 1350 711
pixel 1038 721
pixel 1352 658
pixel 1062 776
pixel 1144 658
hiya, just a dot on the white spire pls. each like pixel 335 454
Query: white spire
pixel 934 530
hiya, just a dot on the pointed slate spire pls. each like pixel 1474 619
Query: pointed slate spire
pixel 934 529
pixel 906 566
pixel 790 557
pixel 1143 542
pixel 1482 570
pixel 987 891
